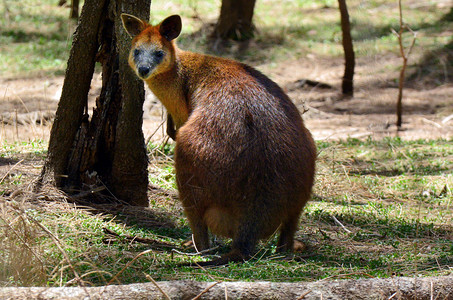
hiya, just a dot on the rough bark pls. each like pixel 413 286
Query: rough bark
pixel 390 288
pixel 108 149
pixel 235 20
pixel 347 85
pixel 129 177
pixel 74 97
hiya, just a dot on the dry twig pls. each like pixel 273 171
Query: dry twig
pixel 157 286
pixel 304 294
pixel 127 265
pixel 206 290
pixel 196 253
pixel 341 225
pixel 9 171
pixel 151 242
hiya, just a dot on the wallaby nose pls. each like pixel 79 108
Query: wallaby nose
pixel 143 71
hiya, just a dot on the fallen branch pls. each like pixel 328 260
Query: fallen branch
pixel 425 120
pixel 307 82
pixel 147 241
pixel 447 119
pixel 397 287
pixel 198 253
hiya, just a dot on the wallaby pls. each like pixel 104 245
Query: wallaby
pixel 244 160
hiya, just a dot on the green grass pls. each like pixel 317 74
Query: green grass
pixel 36 37
pixel 393 198
pixel 27 156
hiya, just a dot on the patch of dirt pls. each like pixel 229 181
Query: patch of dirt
pixel 427 113
pixel 371 112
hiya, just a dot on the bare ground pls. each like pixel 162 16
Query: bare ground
pixel 371 112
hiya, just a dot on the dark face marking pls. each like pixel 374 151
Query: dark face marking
pixel 159 55
pixel 146 60
pixel 136 53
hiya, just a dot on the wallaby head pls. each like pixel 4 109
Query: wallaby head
pixel 153 51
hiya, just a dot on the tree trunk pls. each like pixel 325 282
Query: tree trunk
pixel 129 178
pixel 74 9
pixel 347 86
pixel 399 100
pixel 390 288
pixel 108 150
pixel 235 20
pixel 74 96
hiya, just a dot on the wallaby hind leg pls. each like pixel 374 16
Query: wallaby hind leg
pixel 193 198
pixel 288 228
pixel 244 241
pixel 199 230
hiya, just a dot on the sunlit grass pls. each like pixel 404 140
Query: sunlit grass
pixel 379 209
pixel 36 37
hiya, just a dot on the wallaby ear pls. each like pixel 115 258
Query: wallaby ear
pixel 132 24
pixel 170 28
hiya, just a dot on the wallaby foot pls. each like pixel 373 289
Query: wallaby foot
pixel 233 256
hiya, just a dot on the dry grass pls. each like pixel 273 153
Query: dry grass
pixel 22 254
pixel 48 239
pixel 380 209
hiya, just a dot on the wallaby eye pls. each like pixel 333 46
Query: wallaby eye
pixel 136 53
pixel 159 54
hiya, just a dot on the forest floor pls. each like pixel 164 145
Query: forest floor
pixel 382 200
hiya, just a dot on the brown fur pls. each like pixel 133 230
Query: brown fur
pixel 244 160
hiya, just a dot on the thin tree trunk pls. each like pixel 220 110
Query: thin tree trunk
pixel 405 56
pixel 399 100
pixel 74 9
pixel 235 20
pixel 347 86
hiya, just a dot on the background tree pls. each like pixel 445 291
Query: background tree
pixel 74 12
pixel 235 20
pixel 347 85
pixel 405 56
pixel 105 151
